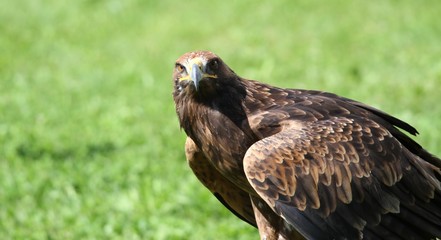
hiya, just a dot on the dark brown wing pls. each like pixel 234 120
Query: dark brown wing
pixel 346 177
pixel 232 197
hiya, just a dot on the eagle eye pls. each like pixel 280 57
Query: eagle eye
pixel 213 65
pixel 179 68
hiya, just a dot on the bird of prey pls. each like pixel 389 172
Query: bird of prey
pixel 304 164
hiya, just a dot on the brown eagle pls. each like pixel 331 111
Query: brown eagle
pixel 302 164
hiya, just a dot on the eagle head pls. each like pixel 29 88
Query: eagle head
pixel 201 73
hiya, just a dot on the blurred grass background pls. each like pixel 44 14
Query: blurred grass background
pixel 90 146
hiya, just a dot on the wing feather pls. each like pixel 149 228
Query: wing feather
pixel 341 176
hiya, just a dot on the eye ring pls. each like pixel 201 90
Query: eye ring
pixel 180 68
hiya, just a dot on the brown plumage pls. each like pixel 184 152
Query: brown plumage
pixel 304 164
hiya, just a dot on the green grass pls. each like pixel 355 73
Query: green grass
pixel 90 144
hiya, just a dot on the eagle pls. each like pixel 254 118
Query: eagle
pixel 304 164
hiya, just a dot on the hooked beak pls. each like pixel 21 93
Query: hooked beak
pixel 196 72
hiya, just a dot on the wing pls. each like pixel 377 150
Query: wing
pixel 346 177
pixel 232 197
